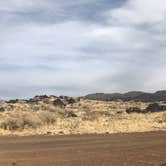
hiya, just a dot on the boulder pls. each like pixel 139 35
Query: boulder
pixel 71 101
pixel 155 107
pixel 41 97
pixel 58 102
pixel 13 101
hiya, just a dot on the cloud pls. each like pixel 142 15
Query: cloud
pixel 79 47
pixel 53 11
pixel 132 43
pixel 140 12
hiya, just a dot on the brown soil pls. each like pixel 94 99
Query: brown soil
pixel 137 149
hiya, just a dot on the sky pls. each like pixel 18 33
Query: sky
pixel 76 47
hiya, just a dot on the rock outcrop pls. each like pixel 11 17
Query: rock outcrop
pixel 154 107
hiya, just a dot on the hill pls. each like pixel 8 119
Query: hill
pixel 133 95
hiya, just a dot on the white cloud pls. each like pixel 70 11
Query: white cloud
pixel 134 44
pixel 140 12
pixel 63 39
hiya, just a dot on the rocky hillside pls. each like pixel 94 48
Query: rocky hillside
pixel 134 95
pixel 36 103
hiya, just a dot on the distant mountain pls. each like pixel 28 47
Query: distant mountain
pixel 133 95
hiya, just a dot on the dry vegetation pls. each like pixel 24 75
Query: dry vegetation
pixel 43 116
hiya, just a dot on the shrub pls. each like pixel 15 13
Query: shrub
pixel 46 117
pixel 88 116
pixel 71 114
pixel 134 110
pixel 21 120
pixel 161 119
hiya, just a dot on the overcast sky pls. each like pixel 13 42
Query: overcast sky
pixel 75 47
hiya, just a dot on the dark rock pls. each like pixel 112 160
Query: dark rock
pixel 163 107
pixel 37 99
pixel 13 101
pixel 63 97
pixel 71 114
pixel 155 107
pixel 78 99
pixel 58 102
pixel 32 101
pixel 41 97
pixel 2 109
pixel 71 101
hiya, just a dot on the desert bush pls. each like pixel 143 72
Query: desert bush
pixel 133 110
pixel 73 125
pixel 69 125
pixel 35 107
pixel 101 114
pixel 20 120
pixel 85 108
pixel 46 117
pixel 61 113
pixel 161 119
pixel 88 116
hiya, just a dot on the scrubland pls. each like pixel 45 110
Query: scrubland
pixel 52 116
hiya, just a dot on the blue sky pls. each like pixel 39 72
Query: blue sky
pixel 81 46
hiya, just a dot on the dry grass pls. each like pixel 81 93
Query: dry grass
pixel 161 118
pixel 91 117
pixel 22 120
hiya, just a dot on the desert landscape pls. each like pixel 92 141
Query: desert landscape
pixel 67 131
pixel 82 83
pixel 52 115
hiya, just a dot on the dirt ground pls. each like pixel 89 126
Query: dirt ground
pixel 136 149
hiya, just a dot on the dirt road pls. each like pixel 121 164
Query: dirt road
pixel 138 149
